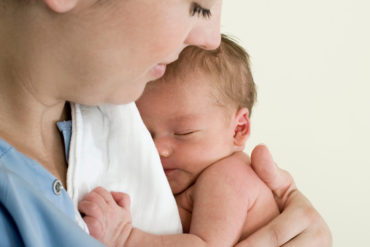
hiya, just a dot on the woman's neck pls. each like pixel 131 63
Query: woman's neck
pixel 28 122
pixel 30 100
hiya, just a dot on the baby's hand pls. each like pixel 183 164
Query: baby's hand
pixel 107 215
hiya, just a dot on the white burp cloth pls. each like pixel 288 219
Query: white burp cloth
pixel 111 147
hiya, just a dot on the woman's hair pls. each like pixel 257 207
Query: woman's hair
pixel 228 65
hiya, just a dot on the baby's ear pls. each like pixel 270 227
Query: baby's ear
pixel 61 6
pixel 242 127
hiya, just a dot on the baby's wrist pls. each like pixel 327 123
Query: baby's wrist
pixel 133 237
pixel 138 237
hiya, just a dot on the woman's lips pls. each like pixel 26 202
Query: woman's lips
pixel 158 70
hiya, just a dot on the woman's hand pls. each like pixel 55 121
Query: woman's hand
pixel 299 224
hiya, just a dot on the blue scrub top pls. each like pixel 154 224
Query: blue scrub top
pixel 35 210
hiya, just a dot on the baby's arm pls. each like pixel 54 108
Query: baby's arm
pixel 230 202
pixel 222 196
pixel 107 215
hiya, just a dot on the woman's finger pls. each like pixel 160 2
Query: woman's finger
pixel 292 222
pixel 301 241
pixel 279 181
pixel 319 236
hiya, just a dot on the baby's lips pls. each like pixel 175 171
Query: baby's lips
pixel 168 171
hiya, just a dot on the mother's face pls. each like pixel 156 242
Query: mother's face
pixel 112 48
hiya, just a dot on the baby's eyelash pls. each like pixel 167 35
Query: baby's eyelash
pixel 185 133
pixel 200 11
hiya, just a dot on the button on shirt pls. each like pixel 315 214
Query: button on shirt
pixel 57 187
pixel 35 210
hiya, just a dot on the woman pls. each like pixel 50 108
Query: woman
pixel 94 52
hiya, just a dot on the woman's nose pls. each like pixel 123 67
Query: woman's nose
pixel 206 33
pixel 163 147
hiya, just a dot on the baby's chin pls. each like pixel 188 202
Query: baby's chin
pixel 177 188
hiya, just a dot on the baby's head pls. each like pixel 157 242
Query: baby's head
pixel 198 113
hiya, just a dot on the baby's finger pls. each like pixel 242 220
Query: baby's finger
pixel 103 193
pixel 91 209
pixel 95 198
pixel 122 199
pixel 96 228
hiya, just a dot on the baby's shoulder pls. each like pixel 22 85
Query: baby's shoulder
pixel 235 171
pixel 235 166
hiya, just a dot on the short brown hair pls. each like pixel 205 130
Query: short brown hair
pixel 229 63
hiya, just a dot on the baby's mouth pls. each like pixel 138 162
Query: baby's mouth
pixel 168 171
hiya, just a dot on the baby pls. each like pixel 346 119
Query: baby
pixel 198 116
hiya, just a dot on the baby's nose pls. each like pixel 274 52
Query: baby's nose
pixel 164 148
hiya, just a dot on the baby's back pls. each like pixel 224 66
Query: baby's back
pixel 231 195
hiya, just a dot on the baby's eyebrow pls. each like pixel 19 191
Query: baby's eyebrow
pixel 184 117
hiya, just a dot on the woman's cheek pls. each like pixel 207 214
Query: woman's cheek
pixel 172 41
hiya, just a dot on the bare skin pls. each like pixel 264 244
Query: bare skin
pixel 309 231
pixel 29 124
pixel 220 203
pixel 40 71
pixel 34 86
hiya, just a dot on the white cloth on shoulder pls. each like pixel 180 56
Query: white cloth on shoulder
pixel 111 147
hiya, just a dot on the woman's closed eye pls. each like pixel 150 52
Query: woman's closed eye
pixel 198 10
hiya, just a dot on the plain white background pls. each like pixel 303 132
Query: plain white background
pixel 311 63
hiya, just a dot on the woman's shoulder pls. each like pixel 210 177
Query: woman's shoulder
pixel 30 204
pixel 4 148
pixel 24 181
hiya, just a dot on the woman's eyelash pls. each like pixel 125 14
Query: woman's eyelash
pixel 200 11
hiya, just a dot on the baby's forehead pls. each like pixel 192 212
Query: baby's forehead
pixel 187 100
pixel 196 117
pixel 200 84
pixel 184 80
pixel 185 116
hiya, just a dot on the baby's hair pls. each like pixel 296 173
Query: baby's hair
pixel 228 64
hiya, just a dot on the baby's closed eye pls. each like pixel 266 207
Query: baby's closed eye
pixel 185 132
